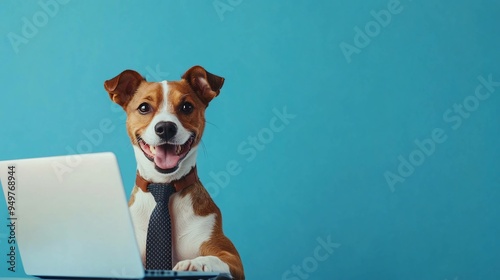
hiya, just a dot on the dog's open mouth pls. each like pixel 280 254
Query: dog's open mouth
pixel 166 156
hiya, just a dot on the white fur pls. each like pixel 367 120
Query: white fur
pixel 140 212
pixel 166 113
pixel 145 166
pixel 189 230
pixel 206 263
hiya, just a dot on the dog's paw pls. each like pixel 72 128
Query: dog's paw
pixel 207 264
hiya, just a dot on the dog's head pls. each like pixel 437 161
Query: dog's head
pixel 165 120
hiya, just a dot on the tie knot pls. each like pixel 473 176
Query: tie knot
pixel 161 192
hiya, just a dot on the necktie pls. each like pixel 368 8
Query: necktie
pixel 159 239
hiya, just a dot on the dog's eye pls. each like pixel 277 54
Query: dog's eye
pixel 144 108
pixel 187 108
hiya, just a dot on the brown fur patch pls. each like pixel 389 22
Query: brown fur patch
pixel 151 93
pixel 218 245
pixel 130 90
pixel 181 92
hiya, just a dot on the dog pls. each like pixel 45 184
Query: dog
pixel 165 123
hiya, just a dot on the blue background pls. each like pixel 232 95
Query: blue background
pixel 321 177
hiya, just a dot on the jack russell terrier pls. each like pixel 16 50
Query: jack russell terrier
pixel 165 122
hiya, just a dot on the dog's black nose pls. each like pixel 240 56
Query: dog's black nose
pixel 166 130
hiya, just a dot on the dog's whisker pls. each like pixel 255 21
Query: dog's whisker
pixel 214 125
pixel 205 151
pixel 165 163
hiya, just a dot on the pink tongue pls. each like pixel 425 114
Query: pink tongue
pixel 165 157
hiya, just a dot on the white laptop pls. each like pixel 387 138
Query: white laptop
pixel 72 220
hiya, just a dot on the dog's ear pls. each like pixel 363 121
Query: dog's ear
pixel 122 87
pixel 204 83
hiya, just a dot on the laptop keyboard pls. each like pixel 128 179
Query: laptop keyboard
pixel 169 274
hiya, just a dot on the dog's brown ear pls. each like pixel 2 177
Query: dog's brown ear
pixel 204 83
pixel 122 87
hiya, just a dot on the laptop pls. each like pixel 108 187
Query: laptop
pixel 72 220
